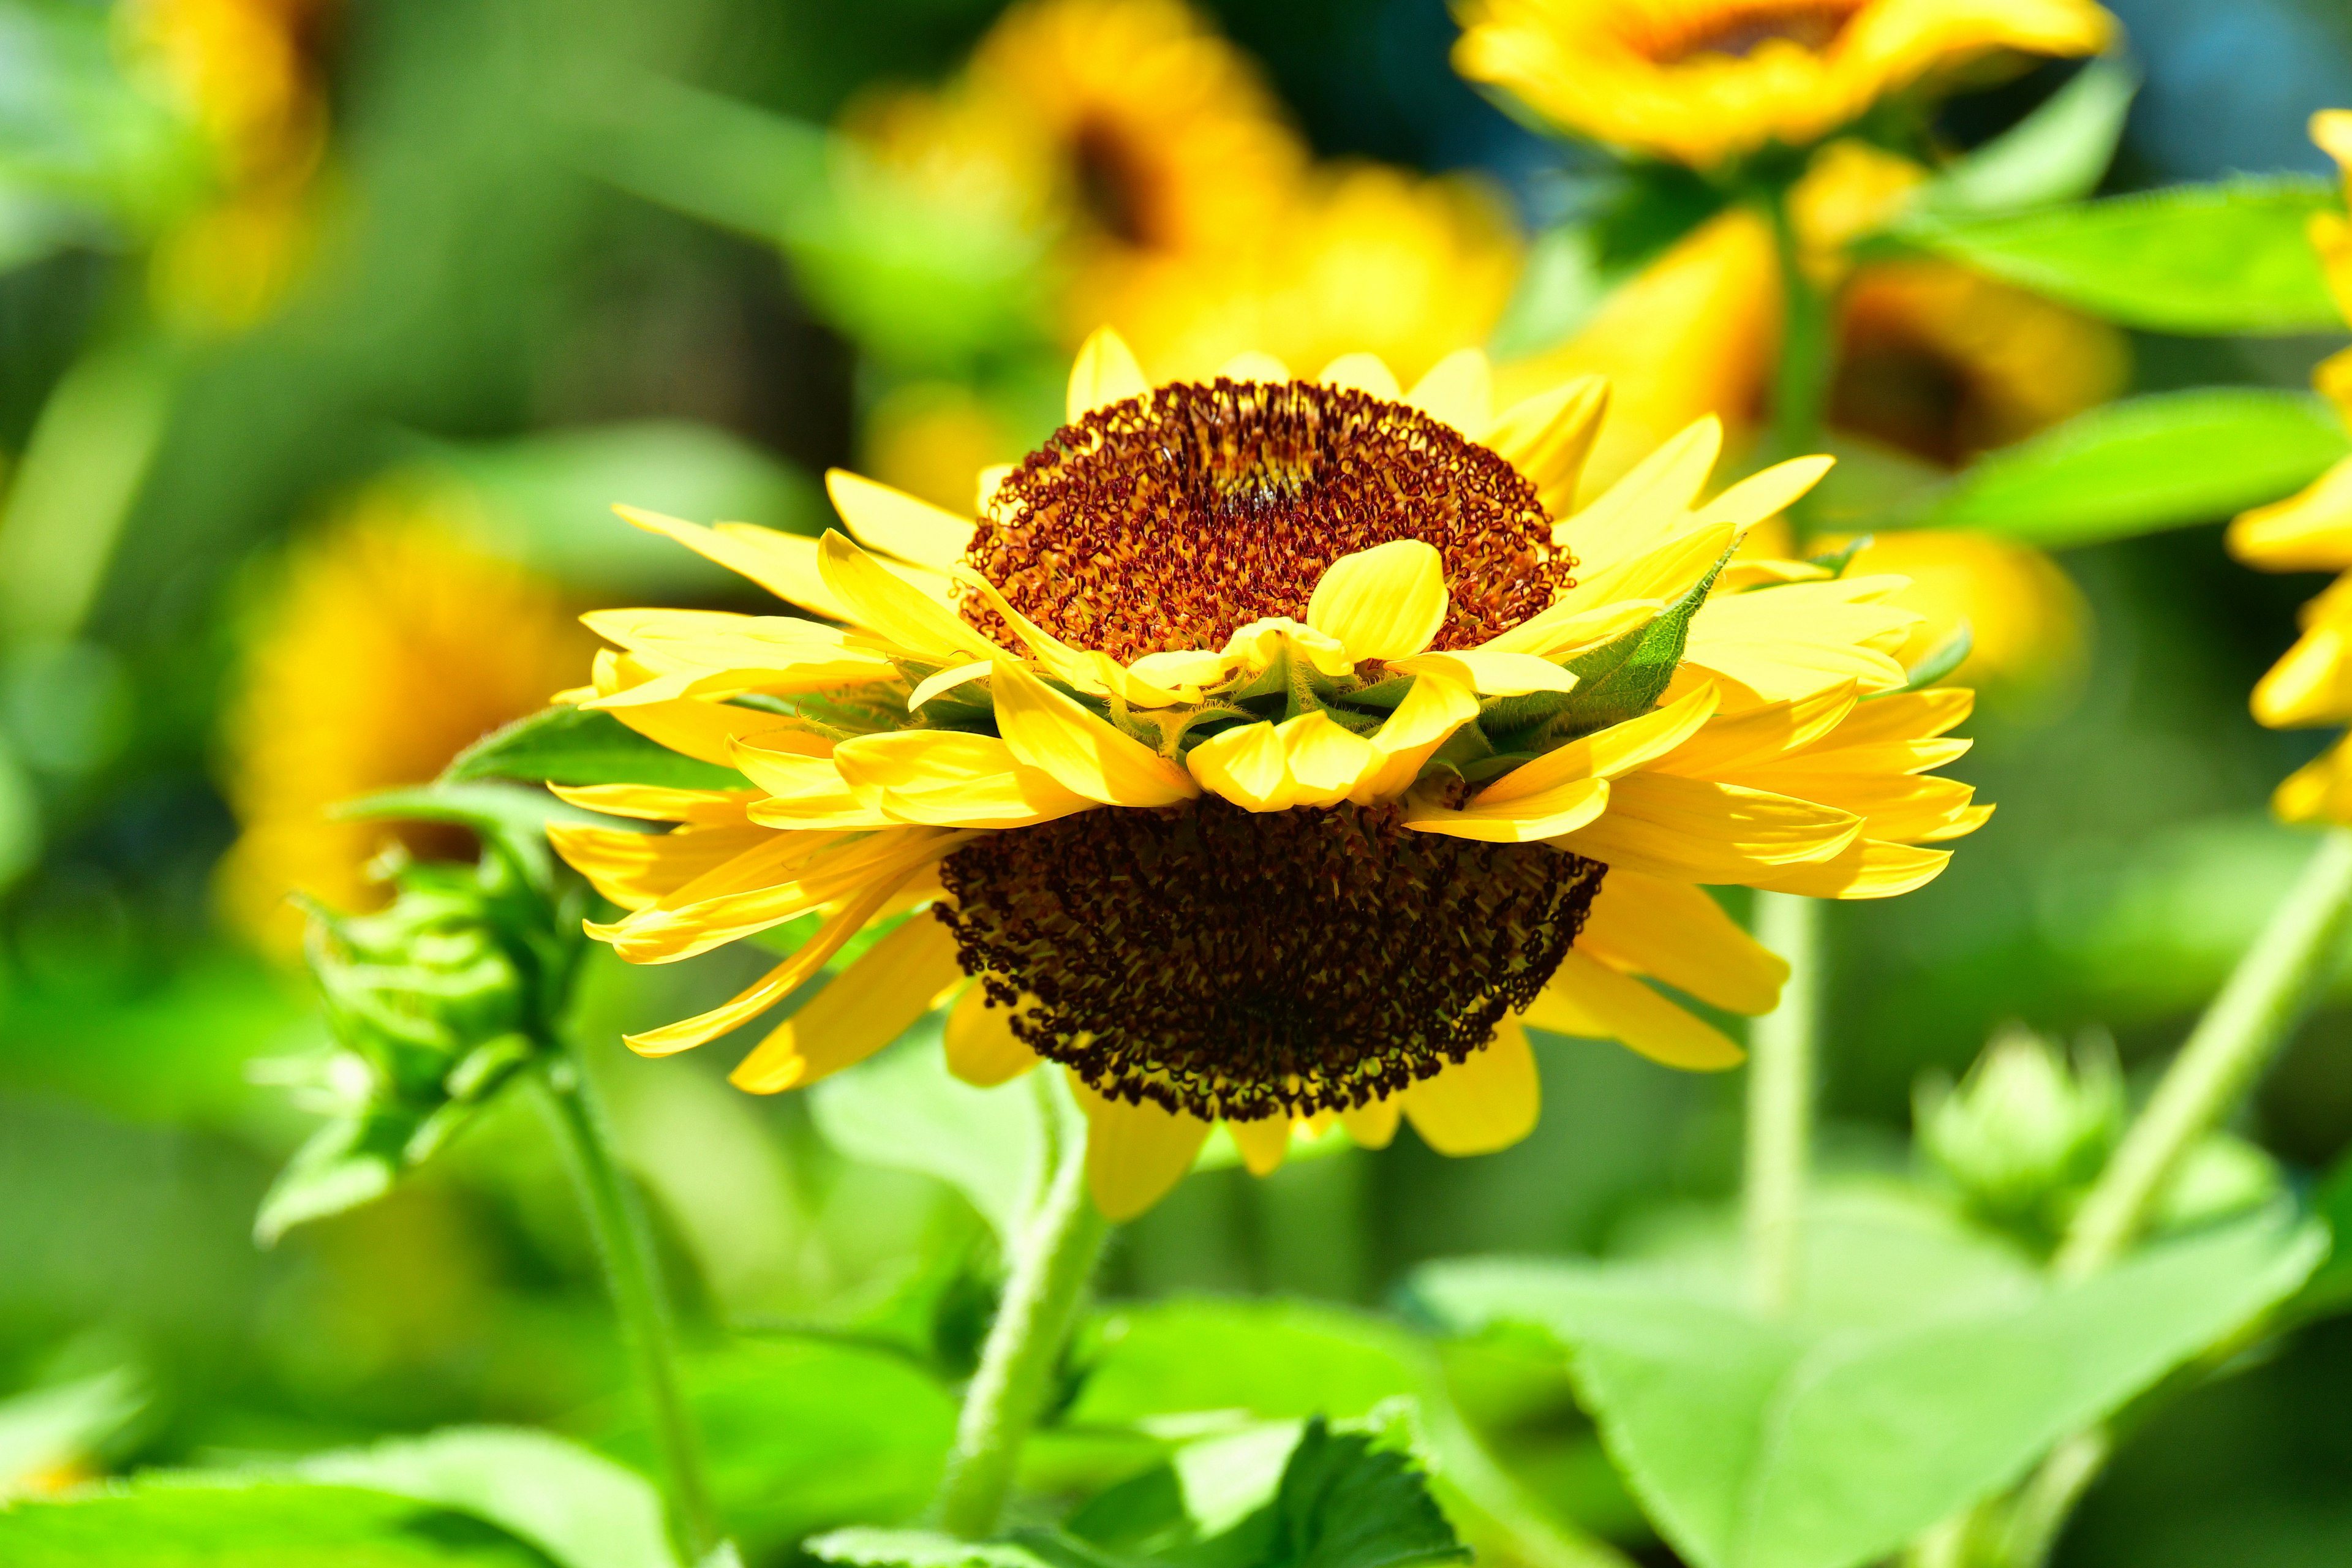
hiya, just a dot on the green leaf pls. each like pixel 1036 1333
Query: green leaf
pixel 903 1110
pixel 1345 1504
pixel 803 1435
pixel 2329 1289
pixel 582 1511
pixel 569 746
pixel 514 819
pixel 199 1522
pixel 1920 1374
pixel 2232 257
pixel 2057 153
pixel 51 1427
pixel 1942 660
pixel 871 1547
pixel 2143 464
pixel 351 1162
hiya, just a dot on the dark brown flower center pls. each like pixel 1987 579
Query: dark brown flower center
pixel 1740 30
pixel 1172 519
pixel 1244 965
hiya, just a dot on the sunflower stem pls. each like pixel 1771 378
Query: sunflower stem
pixel 625 1246
pixel 1800 379
pixel 1781 1048
pixel 2264 998
pixel 1052 1263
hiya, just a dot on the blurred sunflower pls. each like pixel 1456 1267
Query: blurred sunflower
pixel 2311 532
pixel 248 73
pixel 1704 82
pixel 389 647
pixel 1934 365
pixel 1267 752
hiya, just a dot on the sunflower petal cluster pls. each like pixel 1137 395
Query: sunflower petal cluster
pixel 2311 532
pixel 1704 82
pixel 1270 751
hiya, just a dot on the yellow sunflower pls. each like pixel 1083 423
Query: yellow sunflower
pixel 390 645
pixel 247 72
pixel 1706 81
pixel 1270 751
pixel 2311 532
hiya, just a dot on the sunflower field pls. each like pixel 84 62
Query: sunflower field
pixel 1173 784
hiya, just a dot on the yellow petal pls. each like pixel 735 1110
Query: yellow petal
pixel 1625 1009
pixel 1605 754
pixel 1245 765
pixel 1765 495
pixel 1458 389
pixel 954 779
pixel 944 681
pixel 1569 627
pixel 1734 741
pixel 1253 365
pixel 1689 830
pixel 1364 372
pixel 1263 1142
pixel 1648 504
pixel 1104 373
pixel 1674 930
pixel 783 564
pixel 991 477
pixel 1086 755
pixel 867 1006
pixel 1566 806
pixel 1325 760
pixel 1384 603
pixel 1868 869
pixel 703 730
pixel 1487 1100
pixel 1548 437
pixel 1135 1153
pixel 983 1049
pixel 1372 1125
pixel 1086 670
pixel 879 598
pixel 1433 709
pixel 654 803
pixel 894 521
pixel 634 869
pixel 1489 671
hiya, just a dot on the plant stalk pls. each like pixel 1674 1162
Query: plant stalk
pixel 1050 1266
pixel 1782 1047
pixel 633 1275
pixel 2273 986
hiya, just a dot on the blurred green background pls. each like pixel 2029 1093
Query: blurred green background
pixel 516 273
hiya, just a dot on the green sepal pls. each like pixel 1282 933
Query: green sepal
pixel 1942 660
pixel 569 746
pixel 1836 562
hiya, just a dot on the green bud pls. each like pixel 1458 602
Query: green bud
pixel 2026 1131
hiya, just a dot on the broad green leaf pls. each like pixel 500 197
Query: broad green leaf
pixel 903 1110
pixel 51 1427
pixel 2143 464
pixel 515 820
pixel 2057 153
pixel 804 1434
pixel 582 1511
pixel 569 746
pixel 204 1521
pixel 2231 257
pixel 1907 1387
pixel 547 501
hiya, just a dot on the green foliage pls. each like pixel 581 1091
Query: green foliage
pixel 1621 680
pixel 2060 152
pixel 436 1002
pixel 2230 257
pixel 804 1434
pixel 568 745
pixel 1340 1502
pixel 230 1522
pixel 1923 1369
pixel 51 1426
pixel 2143 464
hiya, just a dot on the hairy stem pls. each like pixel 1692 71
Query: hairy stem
pixel 1781 1067
pixel 1054 1260
pixel 625 1246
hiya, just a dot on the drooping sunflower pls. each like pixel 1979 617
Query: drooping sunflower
pixel 390 645
pixel 1271 751
pixel 2311 532
pixel 1704 82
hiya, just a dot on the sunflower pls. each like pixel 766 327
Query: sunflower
pixel 389 645
pixel 248 73
pixel 1265 752
pixel 1704 82
pixel 2311 532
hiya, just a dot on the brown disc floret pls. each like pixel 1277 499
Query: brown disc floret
pixel 1172 519
pixel 1240 964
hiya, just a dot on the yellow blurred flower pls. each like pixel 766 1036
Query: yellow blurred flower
pixel 2311 532
pixel 389 647
pixel 1189 215
pixel 1706 81
pixel 930 437
pixel 247 73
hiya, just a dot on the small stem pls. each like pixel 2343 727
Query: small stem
pixel 1800 379
pixel 2045 1501
pixel 625 1247
pixel 2266 995
pixel 1781 1063
pixel 1051 1266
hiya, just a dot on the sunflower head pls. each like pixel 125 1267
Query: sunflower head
pixel 1707 81
pixel 1270 751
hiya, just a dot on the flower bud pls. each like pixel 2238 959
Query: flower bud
pixel 2026 1130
